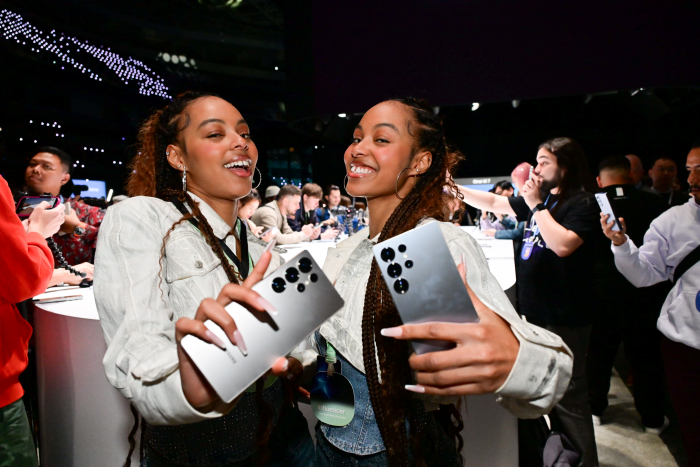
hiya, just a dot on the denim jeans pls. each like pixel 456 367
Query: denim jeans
pixel 16 442
pixel 290 446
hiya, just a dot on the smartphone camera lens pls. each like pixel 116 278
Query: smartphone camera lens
pixel 279 285
pixel 401 286
pixel 313 277
pixel 388 255
pixel 301 287
pixel 292 275
pixel 409 264
pixel 305 265
pixel 394 270
pixel 402 248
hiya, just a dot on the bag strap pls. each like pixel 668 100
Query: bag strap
pixel 242 266
pixel 688 262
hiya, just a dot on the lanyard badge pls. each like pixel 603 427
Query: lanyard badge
pixel 332 396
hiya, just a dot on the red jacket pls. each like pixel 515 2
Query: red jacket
pixel 26 266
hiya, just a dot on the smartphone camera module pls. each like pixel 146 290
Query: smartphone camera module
pixel 301 287
pixel 402 248
pixel 394 270
pixel 409 264
pixel 305 265
pixel 279 285
pixel 292 275
pixel 388 255
pixel 401 286
pixel 313 277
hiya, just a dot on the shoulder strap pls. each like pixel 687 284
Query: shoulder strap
pixel 242 266
pixel 688 262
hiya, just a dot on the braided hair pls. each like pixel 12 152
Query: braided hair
pixel 428 198
pixel 152 175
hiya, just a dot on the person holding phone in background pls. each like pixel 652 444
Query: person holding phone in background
pixel 671 250
pixel 26 266
pixel 247 206
pixel 556 263
pixel 398 160
pixel 158 278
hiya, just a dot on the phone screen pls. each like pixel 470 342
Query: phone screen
pixel 28 203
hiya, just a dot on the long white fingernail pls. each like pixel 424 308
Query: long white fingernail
pixel 270 245
pixel 415 388
pixel 464 260
pixel 391 332
pixel 267 306
pixel 238 338
pixel 215 339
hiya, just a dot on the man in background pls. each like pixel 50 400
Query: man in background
pixel 271 193
pixel 311 195
pixel 623 313
pixel 663 173
pixel 274 214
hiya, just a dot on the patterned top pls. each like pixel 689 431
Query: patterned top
pixel 79 249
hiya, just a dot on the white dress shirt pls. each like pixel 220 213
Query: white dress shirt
pixel 543 366
pixel 670 238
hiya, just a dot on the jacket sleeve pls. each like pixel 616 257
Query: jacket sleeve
pixel 543 367
pixel 141 359
pixel 26 262
pixel 511 234
pixel 646 265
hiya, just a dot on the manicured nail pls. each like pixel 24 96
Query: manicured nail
pixel 391 332
pixel 238 338
pixel 215 339
pixel 267 306
pixel 415 388
pixel 270 245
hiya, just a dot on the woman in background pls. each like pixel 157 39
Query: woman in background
pixel 247 206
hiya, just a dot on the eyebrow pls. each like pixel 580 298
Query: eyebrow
pixel 211 120
pixel 388 125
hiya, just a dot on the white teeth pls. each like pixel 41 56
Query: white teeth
pixel 360 169
pixel 238 164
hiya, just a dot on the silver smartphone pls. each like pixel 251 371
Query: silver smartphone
pixel 424 282
pixel 606 208
pixel 303 297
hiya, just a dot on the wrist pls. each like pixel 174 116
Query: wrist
pixel 619 241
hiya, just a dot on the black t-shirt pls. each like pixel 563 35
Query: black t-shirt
pixel 554 290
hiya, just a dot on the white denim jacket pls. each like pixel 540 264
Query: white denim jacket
pixel 139 298
pixel 543 367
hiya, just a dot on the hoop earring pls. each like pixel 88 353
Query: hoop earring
pixel 259 181
pixel 396 185
pixel 184 179
pixel 345 183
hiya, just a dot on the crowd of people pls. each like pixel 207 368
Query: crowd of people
pixel 191 237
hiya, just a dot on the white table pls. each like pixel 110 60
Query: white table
pixel 84 421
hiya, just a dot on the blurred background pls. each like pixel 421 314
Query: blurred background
pixel 619 77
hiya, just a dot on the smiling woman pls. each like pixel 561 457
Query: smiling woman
pixel 163 256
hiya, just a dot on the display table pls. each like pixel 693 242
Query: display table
pixel 84 421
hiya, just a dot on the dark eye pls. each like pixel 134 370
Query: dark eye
pixel 214 135
pixel 356 140
pixel 381 140
pixel 246 135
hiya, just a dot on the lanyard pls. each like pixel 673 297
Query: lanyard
pixel 243 267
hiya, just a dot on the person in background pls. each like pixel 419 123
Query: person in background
pixel 332 202
pixel 623 313
pixel 271 193
pixel 663 173
pixel 501 221
pixel 345 201
pixel 246 207
pixel 638 174
pixel 671 251
pixel 26 266
pixel 556 263
pixel 274 214
pixel 311 195
pixel 47 172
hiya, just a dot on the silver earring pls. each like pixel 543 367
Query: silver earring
pixel 167 153
pixel 396 186
pixel 345 183
pixel 259 181
pixel 184 179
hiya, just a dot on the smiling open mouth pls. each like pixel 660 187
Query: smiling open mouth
pixel 360 170
pixel 240 168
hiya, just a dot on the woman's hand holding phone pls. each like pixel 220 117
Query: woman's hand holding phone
pixel 195 387
pixel 484 355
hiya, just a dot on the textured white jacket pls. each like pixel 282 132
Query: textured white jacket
pixel 139 302
pixel 543 367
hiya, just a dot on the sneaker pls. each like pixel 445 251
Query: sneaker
pixel 659 430
pixel 596 420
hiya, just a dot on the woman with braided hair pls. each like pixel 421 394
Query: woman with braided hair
pixel 405 411
pixel 168 259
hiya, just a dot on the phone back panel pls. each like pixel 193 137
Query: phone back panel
pixel 424 282
pixel 267 337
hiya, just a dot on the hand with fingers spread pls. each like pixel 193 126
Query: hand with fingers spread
pixel 484 355
pixel 195 387
pixel 618 238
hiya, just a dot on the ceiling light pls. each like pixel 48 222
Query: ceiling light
pixel 342 115
pixel 475 106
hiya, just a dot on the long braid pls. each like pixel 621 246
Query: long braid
pixel 152 175
pixel 390 401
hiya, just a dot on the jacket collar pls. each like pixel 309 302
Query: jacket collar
pixel 219 226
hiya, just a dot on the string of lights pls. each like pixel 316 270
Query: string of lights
pixel 14 28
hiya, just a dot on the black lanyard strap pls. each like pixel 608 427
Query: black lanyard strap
pixel 242 266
